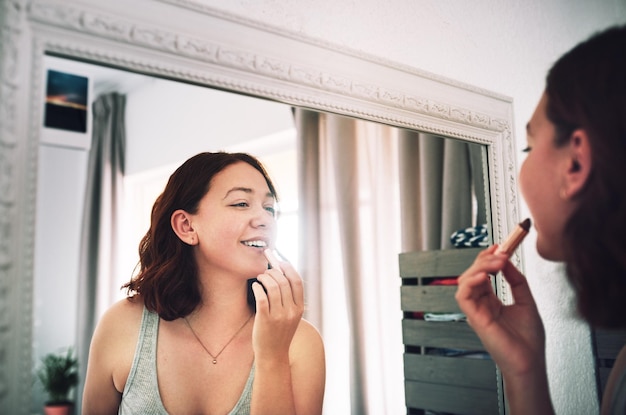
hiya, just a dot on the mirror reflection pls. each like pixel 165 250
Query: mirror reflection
pixel 353 196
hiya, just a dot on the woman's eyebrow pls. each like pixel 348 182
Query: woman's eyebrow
pixel 238 189
pixel 248 190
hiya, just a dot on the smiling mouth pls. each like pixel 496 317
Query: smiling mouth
pixel 255 244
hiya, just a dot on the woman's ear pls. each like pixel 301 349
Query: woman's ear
pixel 578 163
pixel 181 224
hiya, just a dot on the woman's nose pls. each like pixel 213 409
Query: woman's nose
pixel 261 218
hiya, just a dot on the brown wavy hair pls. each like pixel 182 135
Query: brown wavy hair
pixel 586 89
pixel 168 276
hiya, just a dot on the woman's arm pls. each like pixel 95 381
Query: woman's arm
pixel 512 334
pixel 110 357
pixel 294 386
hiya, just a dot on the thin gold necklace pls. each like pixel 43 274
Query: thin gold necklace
pixel 227 343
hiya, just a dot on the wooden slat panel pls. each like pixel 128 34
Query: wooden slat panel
pixel 453 399
pixel 453 335
pixel 609 343
pixel 445 263
pixel 436 299
pixel 454 371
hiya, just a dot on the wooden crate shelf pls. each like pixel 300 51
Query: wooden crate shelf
pixel 445 366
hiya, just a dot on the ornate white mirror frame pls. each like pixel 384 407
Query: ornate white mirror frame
pixel 184 40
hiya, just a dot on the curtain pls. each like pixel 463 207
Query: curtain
pixel 350 229
pixel 103 198
pixel 442 189
pixel 367 193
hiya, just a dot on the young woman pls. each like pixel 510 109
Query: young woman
pixel 573 183
pixel 214 323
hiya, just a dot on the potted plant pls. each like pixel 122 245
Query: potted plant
pixel 58 374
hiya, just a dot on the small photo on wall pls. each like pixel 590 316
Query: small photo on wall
pixel 66 101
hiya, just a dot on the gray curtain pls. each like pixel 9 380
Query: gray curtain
pixel 442 189
pixel 103 198
pixel 368 192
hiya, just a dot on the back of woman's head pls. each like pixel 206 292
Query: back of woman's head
pixel 586 89
pixel 167 278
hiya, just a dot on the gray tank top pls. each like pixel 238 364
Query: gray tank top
pixel 141 393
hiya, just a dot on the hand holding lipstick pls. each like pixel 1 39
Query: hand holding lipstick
pixel 512 334
pixel 515 238
pixel 280 305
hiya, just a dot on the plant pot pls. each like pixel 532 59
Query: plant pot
pixel 60 409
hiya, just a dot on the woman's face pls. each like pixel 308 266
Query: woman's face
pixel 541 182
pixel 235 222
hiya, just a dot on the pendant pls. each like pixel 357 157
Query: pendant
pixel 214 361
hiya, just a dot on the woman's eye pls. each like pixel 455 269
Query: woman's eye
pixel 271 210
pixel 526 150
pixel 240 204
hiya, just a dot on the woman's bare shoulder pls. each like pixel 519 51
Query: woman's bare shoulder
pixel 307 337
pixel 119 325
pixel 127 310
pixel 115 339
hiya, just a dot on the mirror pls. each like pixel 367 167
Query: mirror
pixel 222 52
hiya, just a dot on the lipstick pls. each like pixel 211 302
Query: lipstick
pixel 515 238
pixel 272 259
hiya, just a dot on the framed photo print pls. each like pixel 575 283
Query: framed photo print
pixel 66 114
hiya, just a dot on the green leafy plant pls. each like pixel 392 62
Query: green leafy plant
pixel 58 374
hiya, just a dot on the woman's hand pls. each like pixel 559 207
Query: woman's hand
pixel 279 309
pixel 512 334
pixel 284 383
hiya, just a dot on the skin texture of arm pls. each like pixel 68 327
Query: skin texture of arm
pixel 512 334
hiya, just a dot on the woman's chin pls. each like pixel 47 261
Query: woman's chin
pixel 549 252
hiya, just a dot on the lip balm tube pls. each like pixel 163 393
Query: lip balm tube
pixel 515 238
pixel 271 257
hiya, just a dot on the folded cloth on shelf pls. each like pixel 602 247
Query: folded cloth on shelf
pixel 472 237
pixel 444 317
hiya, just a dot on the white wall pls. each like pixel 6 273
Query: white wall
pixel 167 122
pixel 504 46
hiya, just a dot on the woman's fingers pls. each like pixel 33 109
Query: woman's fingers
pixel 287 280
pixel 520 289
pixel 279 308
pixel 283 285
pixel 295 283
pixel 475 294
pixel 260 298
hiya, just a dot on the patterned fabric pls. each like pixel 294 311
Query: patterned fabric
pixel 472 237
pixel 141 393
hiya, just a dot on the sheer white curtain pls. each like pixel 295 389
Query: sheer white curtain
pixel 101 219
pixel 350 222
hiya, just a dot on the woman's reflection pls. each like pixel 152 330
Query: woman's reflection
pixel 190 338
